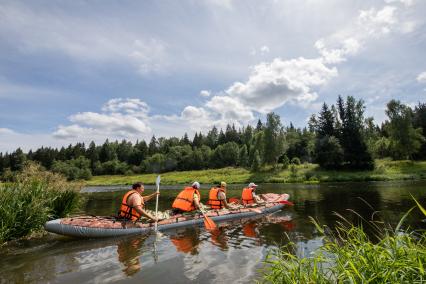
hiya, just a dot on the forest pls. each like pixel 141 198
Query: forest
pixel 338 137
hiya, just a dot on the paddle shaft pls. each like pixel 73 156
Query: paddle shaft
pixel 156 207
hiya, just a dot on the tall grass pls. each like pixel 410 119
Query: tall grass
pixel 348 255
pixel 35 197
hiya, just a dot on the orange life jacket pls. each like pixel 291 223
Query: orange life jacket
pixel 247 196
pixel 127 211
pixel 185 199
pixel 214 201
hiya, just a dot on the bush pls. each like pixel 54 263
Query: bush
pixel 295 161
pixel 74 169
pixel 35 197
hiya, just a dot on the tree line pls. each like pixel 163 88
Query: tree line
pixel 338 137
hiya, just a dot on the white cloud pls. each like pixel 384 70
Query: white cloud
pixel 405 2
pixel 6 131
pixel 370 24
pixel 421 78
pixel 130 106
pixel 376 22
pixel 271 85
pixel 121 118
pixel 230 109
pixel 264 50
pixel 205 93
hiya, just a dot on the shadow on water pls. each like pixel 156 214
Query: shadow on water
pixel 233 253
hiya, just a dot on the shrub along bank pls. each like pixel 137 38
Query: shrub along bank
pixel 349 256
pixel 35 197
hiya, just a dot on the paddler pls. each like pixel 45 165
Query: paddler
pixel 188 199
pixel 217 197
pixel 249 196
pixel 132 206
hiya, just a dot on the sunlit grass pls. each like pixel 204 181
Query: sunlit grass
pixel 306 173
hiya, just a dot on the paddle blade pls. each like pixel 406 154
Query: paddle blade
pixel 209 224
pixel 157 181
pixel 234 200
pixel 289 203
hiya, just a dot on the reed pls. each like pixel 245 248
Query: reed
pixel 349 255
pixel 35 197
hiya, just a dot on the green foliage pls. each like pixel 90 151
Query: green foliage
pixel 243 156
pixel 419 121
pixel 273 139
pixel 349 256
pixel 255 166
pixel 405 140
pixel 225 155
pixel 35 197
pixel 295 161
pixel 329 152
pixel 285 161
pixel 74 169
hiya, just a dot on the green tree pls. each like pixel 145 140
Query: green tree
pixel 419 121
pixel 405 140
pixel 225 155
pixel 107 152
pixel 255 166
pixel 17 160
pixel 273 140
pixel 329 152
pixel 351 136
pixel 243 156
pixel 153 146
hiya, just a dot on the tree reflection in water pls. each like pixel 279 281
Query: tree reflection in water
pixel 129 252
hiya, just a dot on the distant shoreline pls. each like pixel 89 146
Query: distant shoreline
pixel 385 170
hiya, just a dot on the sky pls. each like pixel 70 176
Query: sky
pixel 77 71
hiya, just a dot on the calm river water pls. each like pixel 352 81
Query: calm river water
pixel 193 255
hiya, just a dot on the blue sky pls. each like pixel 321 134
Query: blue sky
pixel 89 70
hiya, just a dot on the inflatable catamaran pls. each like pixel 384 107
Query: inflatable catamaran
pixel 101 227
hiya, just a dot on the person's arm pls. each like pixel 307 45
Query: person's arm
pixel 197 202
pixel 257 199
pixel 222 197
pixel 136 202
pixel 149 197
pixel 144 213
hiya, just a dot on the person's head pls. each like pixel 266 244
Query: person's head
pixel 138 186
pixel 223 185
pixel 252 185
pixel 196 185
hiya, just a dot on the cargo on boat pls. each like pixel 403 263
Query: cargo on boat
pixel 101 227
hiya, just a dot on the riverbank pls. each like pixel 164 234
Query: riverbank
pixel 385 170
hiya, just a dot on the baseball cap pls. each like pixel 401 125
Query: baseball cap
pixel 252 184
pixel 196 185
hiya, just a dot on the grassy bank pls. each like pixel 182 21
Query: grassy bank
pixel 35 197
pixel 306 173
pixel 348 255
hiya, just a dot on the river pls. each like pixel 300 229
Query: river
pixel 193 255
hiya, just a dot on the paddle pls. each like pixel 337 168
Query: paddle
pixel 157 182
pixel 208 223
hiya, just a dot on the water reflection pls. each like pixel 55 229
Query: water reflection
pixel 186 240
pixel 129 252
pixel 192 255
